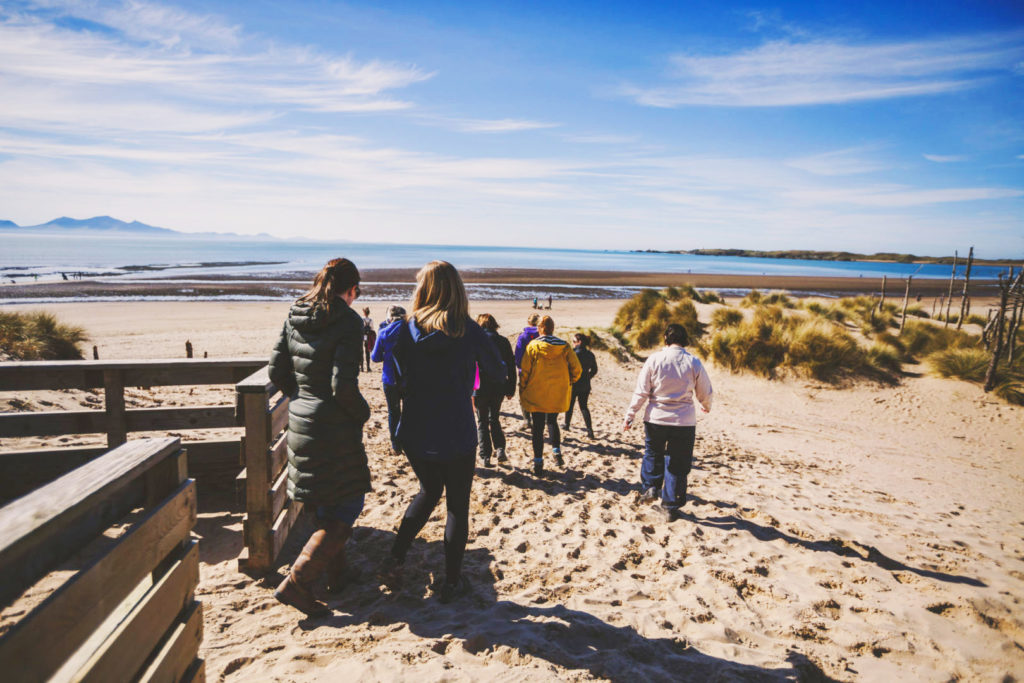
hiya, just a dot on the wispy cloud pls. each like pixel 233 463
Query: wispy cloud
pixel 945 158
pixel 790 73
pixel 494 125
pixel 839 162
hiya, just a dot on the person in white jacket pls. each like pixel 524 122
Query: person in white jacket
pixel 667 383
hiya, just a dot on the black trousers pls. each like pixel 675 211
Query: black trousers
pixel 583 397
pixel 538 420
pixel 488 423
pixel 455 480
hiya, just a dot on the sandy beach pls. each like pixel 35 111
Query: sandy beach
pixel 868 532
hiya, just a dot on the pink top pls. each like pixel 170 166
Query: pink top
pixel 476 382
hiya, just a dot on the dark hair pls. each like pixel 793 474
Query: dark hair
pixel 333 280
pixel 676 334
pixel 584 339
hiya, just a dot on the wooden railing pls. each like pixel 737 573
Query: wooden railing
pixel 127 611
pixel 20 471
pixel 269 513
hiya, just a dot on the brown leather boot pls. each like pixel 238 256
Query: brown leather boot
pixel 339 573
pixel 297 588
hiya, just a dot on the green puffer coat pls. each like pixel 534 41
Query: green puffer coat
pixel 316 364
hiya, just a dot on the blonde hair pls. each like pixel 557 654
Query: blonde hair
pixel 439 302
pixel 532 320
pixel 487 321
pixel 546 325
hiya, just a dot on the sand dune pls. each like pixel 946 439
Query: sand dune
pixel 864 533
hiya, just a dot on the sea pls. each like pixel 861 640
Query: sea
pixel 182 258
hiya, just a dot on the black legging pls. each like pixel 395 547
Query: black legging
pixel 454 479
pixel 537 432
pixel 583 397
pixel 488 423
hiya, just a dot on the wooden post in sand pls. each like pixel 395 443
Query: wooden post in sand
pixel 949 297
pixel 967 281
pixel 188 349
pixel 95 353
pixel 906 300
pixel 1010 286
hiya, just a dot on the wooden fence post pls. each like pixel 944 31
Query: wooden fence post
pixel 906 299
pixel 188 349
pixel 967 281
pixel 113 402
pixel 949 297
pixel 258 523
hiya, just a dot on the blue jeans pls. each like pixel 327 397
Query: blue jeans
pixel 668 457
pixel 393 397
pixel 343 512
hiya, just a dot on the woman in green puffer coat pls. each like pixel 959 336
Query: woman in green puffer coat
pixel 316 364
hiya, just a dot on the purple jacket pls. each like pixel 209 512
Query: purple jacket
pixel 528 334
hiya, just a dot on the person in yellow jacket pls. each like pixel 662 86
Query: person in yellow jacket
pixel 550 368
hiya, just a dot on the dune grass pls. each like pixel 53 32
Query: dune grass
pixel 641 321
pixel 688 291
pixel 757 298
pixel 39 336
pixel 726 317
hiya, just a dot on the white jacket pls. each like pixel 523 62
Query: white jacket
pixel 667 383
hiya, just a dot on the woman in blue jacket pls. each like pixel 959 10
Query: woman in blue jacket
pixel 383 352
pixel 436 356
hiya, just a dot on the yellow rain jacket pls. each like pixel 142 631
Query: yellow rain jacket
pixel 550 368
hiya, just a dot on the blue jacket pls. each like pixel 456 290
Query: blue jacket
pixel 437 374
pixel 383 351
pixel 528 334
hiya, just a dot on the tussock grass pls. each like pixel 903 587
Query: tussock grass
pixel 1011 388
pixel 688 291
pixel 756 298
pixel 920 338
pixel 39 336
pixel 917 311
pixel 726 317
pixel 641 321
pixel 963 363
pixel 976 319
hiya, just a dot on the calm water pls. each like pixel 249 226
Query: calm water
pixel 47 256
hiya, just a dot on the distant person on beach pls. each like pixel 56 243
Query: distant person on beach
pixel 535 302
pixel 316 364
pixel 383 352
pixel 549 369
pixel 581 387
pixel 549 302
pixel 369 336
pixel 528 334
pixel 437 355
pixel 667 383
pixel 489 395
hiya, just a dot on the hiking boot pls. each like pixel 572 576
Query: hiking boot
pixel 538 466
pixel 500 455
pixel 558 457
pixel 485 460
pixel 664 514
pixel 649 495
pixel 452 591
pixel 590 434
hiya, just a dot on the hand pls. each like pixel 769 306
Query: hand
pixel 627 424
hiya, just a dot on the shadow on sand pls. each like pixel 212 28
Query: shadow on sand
pixel 482 622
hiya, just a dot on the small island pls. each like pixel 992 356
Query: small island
pixel 808 255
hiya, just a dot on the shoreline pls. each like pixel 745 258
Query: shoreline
pixel 495 283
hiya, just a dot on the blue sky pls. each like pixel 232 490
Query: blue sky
pixel 874 126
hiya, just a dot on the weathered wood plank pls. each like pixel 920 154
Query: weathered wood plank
pixel 45 527
pixel 52 423
pixel 257 383
pixel 23 471
pixel 279 494
pixel 178 654
pixel 130 644
pixel 278 457
pixel 39 375
pixel 257 520
pixel 196 673
pixel 113 405
pixel 155 419
pixel 279 416
pixel 38 644
pixel 283 526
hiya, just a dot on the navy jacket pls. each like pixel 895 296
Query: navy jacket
pixel 383 351
pixel 508 386
pixel 437 374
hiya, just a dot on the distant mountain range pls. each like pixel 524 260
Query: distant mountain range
pixel 108 225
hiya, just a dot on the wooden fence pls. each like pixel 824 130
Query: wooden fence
pixel 269 513
pixel 127 611
pixel 20 471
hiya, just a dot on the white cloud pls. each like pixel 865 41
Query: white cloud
pixel 491 125
pixel 790 73
pixel 945 158
pixel 839 162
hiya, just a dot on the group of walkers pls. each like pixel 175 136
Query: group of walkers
pixel 439 367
